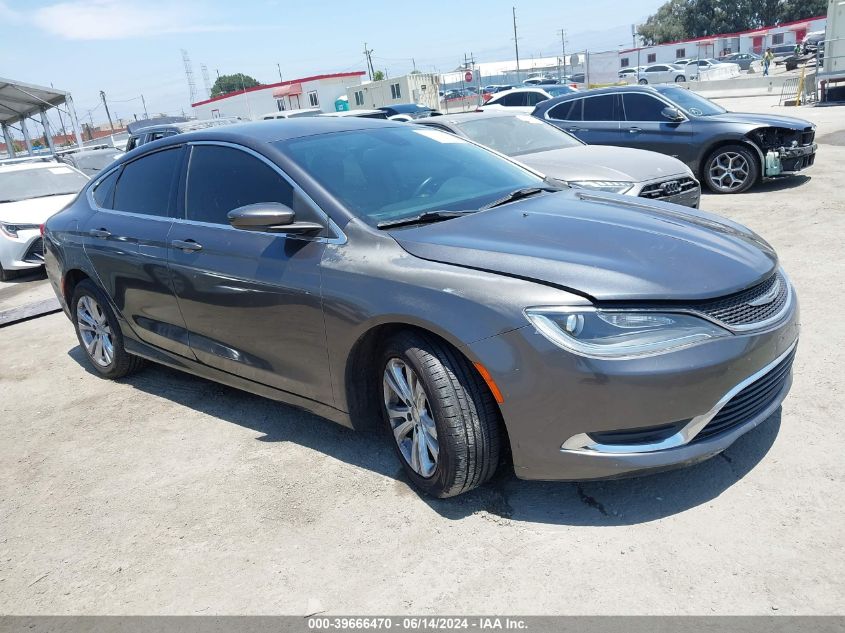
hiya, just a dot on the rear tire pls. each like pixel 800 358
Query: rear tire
pixel 99 333
pixel 444 421
pixel 730 169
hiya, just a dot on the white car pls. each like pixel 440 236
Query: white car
pixel 30 192
pixel 524 99
pixel 630 72
pixel 664 74
pixel 291 114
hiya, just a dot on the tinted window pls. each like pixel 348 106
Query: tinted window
pixel 641 107
pixel 513 99
pixel 223 178
pixel 600 108
pixel 104 190
pixel 535 97
pixel 567 111
pixel 144 184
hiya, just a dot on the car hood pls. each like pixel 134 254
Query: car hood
pixel 33 210
pixel 602 246
pixel 599 162
pixel 761 119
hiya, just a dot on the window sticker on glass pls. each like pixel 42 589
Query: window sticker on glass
pixel 440 137
pixel 60 170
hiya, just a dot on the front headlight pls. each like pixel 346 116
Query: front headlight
pixel 11 230
pixel 611 186
pixel 610 334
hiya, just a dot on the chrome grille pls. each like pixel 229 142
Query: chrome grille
pixel 760 303
pixel 669 188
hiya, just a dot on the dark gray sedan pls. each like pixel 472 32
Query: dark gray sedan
pixel 367 270
pixel 729 151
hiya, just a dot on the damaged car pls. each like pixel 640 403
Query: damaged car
pixel 729 151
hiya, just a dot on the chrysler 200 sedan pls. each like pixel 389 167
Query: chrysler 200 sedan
pixel 365 269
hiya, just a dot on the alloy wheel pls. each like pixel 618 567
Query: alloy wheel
pixel 94 330
pixel 729 171
pixel 410 417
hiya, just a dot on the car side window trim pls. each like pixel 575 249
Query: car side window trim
pixel 338 236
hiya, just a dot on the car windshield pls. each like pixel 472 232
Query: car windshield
pixel 387 174
pixel 95 161
pixel 691 102
pixel 556 91
pixel 23 184
pixel 517 135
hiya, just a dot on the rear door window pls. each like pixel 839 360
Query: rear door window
pixel 104 190
pixel 567 111
pixel 600 108
pixel 145 184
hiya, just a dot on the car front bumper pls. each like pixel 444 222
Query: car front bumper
pixel 553 400
pixel 25 251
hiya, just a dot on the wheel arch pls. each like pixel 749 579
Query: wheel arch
pixel 70 280
pixel 360 384
pixel 745 141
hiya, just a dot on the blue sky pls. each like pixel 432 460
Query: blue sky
pixel 132 47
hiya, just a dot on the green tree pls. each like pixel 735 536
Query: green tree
pixel 378 75
pixel 667 25
pixel 231 83
pixel 791 10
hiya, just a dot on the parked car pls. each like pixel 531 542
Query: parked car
pixel 782 52
pixel 357 114
pixel 577 78
pixel 140 136
pixel 630 72
pixel 291 114
pixel 663 73
pixel 743 60
pixel 567 161
pixel 537 80
pixel 729 151
pixel 472 308
pixel 525 98
pixel 408 111
pixel 90 161
pixel 30 192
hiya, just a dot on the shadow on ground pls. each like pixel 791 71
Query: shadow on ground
pixel 616 502
pixel 769 186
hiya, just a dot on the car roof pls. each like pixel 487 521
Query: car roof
pixel 462 117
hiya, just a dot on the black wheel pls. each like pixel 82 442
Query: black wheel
pixel 643 82
pixel 99 333
pixel 5 275
pixel 680 78
pixel 730 169
pixel 440 413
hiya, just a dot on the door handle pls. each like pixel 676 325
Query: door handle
pixel 101 233
pixel 188 246
pixel 634 130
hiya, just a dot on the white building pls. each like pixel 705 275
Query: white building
pixel 419 88
pixel 319 91
pixel 754 41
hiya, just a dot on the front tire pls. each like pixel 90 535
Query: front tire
pixel 99 333
pixel 731 169
pixel 680 79
pixel 443 419
pixel 643 82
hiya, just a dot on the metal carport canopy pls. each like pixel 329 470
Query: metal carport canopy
pixel 20 101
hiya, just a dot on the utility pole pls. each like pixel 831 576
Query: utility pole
pixel 368 53
pixel 108 114
pixel 144 103
pixel 217 70
pixel 515 43
pixel 414 64
pixel 279 66
pixel 563 49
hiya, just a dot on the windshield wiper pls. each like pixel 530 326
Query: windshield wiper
pixel 423 218
pixel 519 194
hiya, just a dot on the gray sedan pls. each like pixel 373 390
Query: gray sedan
pixel 372 271
pixel 566 160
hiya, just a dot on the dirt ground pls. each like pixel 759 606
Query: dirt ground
pixel 167 494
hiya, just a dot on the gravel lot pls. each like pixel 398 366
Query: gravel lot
pixel 168 494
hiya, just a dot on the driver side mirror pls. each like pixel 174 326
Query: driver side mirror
pixel 673 114
pixel 270 217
